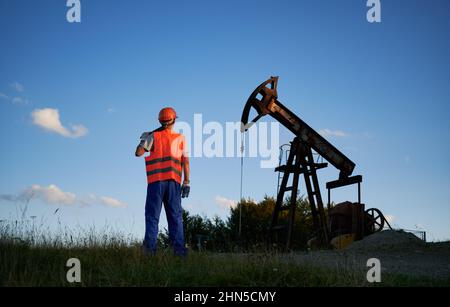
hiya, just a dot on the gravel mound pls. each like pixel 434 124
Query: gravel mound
pixel 399 252
pixel 387 239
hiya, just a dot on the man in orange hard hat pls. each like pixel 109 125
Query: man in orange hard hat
pixel 165 165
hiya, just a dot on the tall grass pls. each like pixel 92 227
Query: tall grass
pixel 27 231
pixel 32 256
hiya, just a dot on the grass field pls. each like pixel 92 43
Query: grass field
pixel 117 265
pixel 31 257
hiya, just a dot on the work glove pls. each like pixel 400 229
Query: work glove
pixel 185 189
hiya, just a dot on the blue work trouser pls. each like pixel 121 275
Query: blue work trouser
pixel 169 193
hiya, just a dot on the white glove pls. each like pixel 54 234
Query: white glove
pixel 146 140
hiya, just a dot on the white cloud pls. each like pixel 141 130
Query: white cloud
pixel 112 202
pixel 55 196
pixel 110 110
pixel 225 202
pixel 92 199
pixel 335 133
pixel 48 119
pixel 79 131
pixel 17 87
pixel 19 101
pixel 50 195
pixel 4 96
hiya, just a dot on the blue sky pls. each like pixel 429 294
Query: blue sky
pixel 385 85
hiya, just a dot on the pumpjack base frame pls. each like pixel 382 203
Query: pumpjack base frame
pixel 300 162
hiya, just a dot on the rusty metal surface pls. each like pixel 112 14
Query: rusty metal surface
pixel 264 100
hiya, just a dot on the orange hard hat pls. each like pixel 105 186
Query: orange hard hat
pixel 167 114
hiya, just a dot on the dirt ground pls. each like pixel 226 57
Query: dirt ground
pixel 398 252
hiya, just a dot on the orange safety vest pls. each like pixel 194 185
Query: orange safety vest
pixel 166 157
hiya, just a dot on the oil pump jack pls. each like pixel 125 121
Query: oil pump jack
pixel 342 223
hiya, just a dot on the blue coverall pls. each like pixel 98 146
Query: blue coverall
pixel 167 192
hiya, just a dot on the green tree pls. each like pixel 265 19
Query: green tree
pixel 218 235
pixel 256 221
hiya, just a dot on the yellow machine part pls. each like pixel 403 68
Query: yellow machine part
pixel 342 241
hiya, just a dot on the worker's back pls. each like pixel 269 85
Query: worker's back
pixel 166 155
